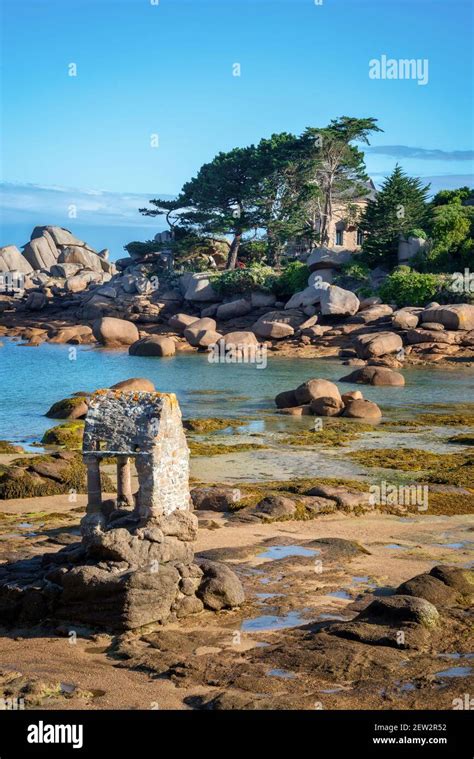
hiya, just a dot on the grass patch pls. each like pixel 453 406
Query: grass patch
pixel 211 424
pixel 334 433
pixel 450 504
pixel 405 459
pixel 20 480
pixel 216 449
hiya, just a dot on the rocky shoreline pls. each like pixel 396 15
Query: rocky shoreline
pixel 71 294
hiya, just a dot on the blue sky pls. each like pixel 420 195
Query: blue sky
pixel 166 69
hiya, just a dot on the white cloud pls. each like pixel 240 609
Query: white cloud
pixel 98 207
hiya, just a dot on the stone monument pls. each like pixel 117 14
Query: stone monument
pixel 135 563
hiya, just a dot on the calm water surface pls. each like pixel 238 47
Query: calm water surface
pixel 31 379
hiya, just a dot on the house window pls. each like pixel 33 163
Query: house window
pixel 339 237
pixel 360 237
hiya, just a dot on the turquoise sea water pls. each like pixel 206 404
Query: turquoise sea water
pixel 31 379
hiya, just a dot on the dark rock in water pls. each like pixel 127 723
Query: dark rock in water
pixel 286 399
pixel 375 375
pixel 430 588
pixel 220 587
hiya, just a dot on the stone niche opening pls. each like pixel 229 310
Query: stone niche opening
pixel 146 428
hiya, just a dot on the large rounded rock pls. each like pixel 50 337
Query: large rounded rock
pixel 275 507
pixel 220 587
pixel 327 258
pixel 207 337
pixel 135 383
pixel 193 332
pixel 199 289
pixel 215 499
pixel 458 578
pixel 239 340
pixel 362 410
pixel 291 317
pixel 375 375
pixel 316 388
pixel 77 333
pixel 399 609
pixel 310 296
pixel 458 316
pixel 372 314
pixel 377 344
pixel 68 408
pixel 153 345
pixel 335 301
pixel 234 309
pixel 115 332
pixel 415 336
pixel 274 330
pixel 405 319
pixel 428 587
pixel 325 406
pixel 286 399
pixel 180 322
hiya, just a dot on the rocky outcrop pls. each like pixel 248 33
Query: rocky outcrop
pixel 322 398
pixel 11 260
pixel 459 316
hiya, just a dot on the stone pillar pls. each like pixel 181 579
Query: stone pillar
pixel 94 487
pixel 124 482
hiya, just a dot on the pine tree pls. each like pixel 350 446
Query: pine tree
pixel 399 208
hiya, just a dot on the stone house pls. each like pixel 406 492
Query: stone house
pixel 344 233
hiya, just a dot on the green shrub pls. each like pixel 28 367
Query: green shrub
pixel 417 233
pixel 356 270
pixel 255 277
pixel 406 287
pixel 292 279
